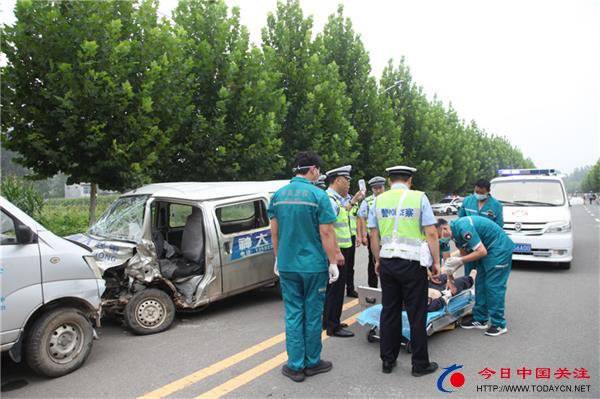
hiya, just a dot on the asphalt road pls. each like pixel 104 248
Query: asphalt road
pixel 235 347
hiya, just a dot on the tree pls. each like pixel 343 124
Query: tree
pixel 237 109
pixel 591 182
pixel 80 89
pixel 379 143
pixel 316 100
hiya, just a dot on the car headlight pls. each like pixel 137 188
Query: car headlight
pixel 91 261
pixel 559 227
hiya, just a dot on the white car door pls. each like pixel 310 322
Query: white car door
pixel 20 277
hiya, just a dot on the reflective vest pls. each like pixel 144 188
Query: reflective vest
pixel 353 213
pixel 341 225
pixel 400 227
pixel 370 200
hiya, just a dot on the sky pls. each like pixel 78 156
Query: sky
pixel 527 70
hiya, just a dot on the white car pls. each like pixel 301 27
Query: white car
pixel 447 206
pixel 51 290
pixel 536 213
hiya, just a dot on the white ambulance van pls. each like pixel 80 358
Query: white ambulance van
pixel 537 214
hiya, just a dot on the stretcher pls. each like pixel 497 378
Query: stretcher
pixel 457 307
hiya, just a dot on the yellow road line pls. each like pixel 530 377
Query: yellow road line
pixel 257 371
pixel 215 368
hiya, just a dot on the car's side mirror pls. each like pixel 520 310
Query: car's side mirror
pixel 25 235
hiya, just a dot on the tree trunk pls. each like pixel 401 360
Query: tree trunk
pixel 93 197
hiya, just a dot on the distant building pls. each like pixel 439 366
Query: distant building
pixel 82 190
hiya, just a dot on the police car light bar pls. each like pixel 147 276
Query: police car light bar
pixel 525 172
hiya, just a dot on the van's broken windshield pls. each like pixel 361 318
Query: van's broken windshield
pixel 123 220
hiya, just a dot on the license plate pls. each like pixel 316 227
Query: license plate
pixel 522 248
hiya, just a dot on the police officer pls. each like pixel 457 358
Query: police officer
pixel 481 203
pixel 377 185
pixel 400 220
pixel 349 262
pixel 339 184
pixel 321 182
pixel 480 239
pixel 304 244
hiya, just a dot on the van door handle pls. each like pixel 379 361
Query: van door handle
pixel 227 247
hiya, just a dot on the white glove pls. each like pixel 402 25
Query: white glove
pixel 334 273
pixel 275 269
pixel 451 264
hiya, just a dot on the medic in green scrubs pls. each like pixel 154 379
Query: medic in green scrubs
pixel 480 239
pixel 304 244
pixel 481 203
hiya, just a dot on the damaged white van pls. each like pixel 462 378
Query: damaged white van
pixel 179 246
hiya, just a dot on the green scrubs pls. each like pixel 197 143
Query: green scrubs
pixel 492 270
pixel 491 209
pixel 300 207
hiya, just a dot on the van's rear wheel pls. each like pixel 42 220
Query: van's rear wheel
pixel 149 311
pixel 59 342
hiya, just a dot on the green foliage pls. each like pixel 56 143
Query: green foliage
pixel 107 93
pixel 574 180
pixel 80 90
pixel 235 108
pixel 23 195
pixel 591 182
pixel 70 216
pixel 317 104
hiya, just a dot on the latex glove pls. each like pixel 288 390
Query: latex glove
pixel 452 263
pixel 334 273
pixel 275 269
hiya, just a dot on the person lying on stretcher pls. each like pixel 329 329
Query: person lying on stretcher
pixel 445 287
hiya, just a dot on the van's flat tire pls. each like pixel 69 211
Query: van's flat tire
pixel 149 312
pixel 59 342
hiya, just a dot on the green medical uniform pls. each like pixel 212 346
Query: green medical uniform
pixel 300 207
pixel 491 209
pixel 492 270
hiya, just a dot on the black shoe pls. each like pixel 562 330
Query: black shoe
pixel 352 294
pixel 433 366
pixel 469 324
pixel 323 367
pixel 342 333
pixel 388 366
pixel 494 331
pixel 293 375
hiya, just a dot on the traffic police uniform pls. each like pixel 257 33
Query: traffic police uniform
pixel 321 182
pixel 403 279
pixel 363 212
pixel 300 207
pixel 493 270
pixel 491 209
pixel 349 263
pixel 335 292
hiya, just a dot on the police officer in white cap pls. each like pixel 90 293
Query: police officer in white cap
pixel 339 184
pixel 400 220
pixel 377 185
pixel 321 182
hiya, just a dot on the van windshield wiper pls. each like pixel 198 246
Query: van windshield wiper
pixel 537 203
pixel 503 202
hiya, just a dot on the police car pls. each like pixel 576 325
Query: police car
pixel 447 206
pixel 536 213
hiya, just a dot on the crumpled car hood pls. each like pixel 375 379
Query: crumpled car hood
pixel 107 253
